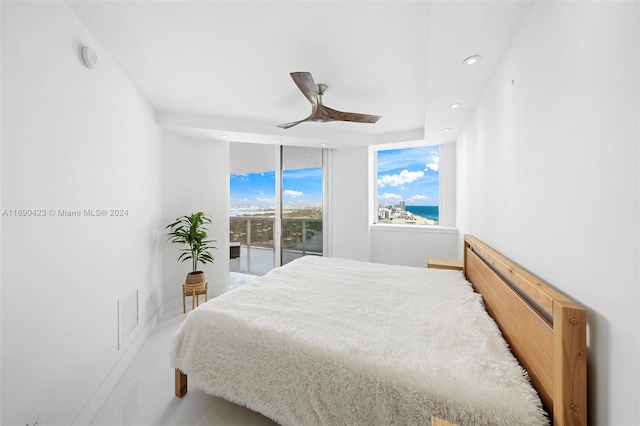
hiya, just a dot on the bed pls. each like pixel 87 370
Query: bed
pixel 335 341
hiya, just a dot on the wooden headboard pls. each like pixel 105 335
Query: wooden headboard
pixel 545 329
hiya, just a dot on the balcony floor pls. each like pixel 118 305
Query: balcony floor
pixel 258 260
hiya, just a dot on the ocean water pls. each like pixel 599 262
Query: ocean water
pixel 428 212
pixel 241 212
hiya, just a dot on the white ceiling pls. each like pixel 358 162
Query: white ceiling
pixel 214 68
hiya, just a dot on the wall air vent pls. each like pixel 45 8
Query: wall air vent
pixel 127 316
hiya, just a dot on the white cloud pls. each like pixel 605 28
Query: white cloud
pixel 418 198
pixel 292 193
pixel 242 177
pixel 387 196
pixel 405 176
pixel 434 165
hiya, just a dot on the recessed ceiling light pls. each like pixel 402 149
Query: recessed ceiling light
pixel 224 136
pixel 472 59
pixel 278 141
pixel 324 144
pixel 446 129
pixel 454 106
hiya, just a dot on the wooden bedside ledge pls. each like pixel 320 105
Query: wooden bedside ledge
pixel 443 263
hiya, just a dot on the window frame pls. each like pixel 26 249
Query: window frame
pixel 374 187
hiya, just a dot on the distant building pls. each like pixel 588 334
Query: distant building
pixel 401 205
pixel 384 213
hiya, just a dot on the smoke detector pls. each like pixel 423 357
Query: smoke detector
pixel 89 57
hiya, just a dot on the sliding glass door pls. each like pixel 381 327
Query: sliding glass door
pixel 276 205
pixel 252 210
pixel 301 213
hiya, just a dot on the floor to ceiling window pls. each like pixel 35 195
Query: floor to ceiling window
pixel 301 202
pixel 275 205
pixel 252 210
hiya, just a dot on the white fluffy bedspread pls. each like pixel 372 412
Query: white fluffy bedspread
pixel 324 341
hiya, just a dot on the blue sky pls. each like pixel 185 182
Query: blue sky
pixel 409 174
pixel 301 188
pixel 253 190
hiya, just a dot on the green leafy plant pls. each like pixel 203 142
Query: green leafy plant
pixel 192 231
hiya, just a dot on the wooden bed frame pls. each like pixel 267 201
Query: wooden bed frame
pixel 546 331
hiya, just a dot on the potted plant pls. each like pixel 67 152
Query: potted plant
pixel 192 231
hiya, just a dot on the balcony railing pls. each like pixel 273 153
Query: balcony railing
pixel 300 237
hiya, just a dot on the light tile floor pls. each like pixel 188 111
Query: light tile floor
pixel 144 396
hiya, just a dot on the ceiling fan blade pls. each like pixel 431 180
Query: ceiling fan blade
pixel 319 112
pixel 293 123
pixel 307 86
pixel 330 114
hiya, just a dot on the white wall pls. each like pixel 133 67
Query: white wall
pixel 548 175
pixel 72 138
pixel 409 245
pixel 201 184
pixel 0 221
pixel 447 182
pixel 349 209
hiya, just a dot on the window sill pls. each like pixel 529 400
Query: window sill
pixel 429 229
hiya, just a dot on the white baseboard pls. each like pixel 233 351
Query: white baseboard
pixel 107 386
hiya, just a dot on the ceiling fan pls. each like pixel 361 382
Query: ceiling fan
pixel 319 112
